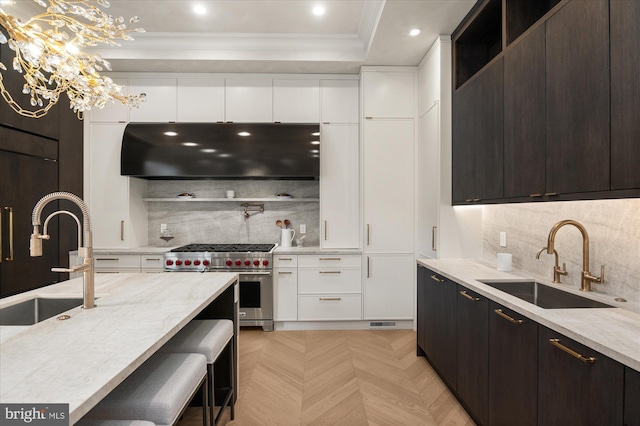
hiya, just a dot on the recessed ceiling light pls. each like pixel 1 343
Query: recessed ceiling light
pixel 208 150
pixel 189 144
pixel 199 9
pixel 318 10
pixel 414 32
pixel 170 134
pixel 315 142
pixel 244 134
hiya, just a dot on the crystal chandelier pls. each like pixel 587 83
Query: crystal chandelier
pixel 48 54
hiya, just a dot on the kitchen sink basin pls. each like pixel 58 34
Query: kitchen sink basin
pixel 37 309
pixel 543 295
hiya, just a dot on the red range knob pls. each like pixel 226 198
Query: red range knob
pixel 178 262
pixel 256 263
pixel 247 263
pixel 205 262
pixel 265 263
pixel 228 263
pixel 238 263
pixel 187 262
pixel 169 262
pixel 196 262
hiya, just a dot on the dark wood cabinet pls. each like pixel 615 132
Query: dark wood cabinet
pixel 631 397
pixel 625 94
pixel 524 117
pixel 573 390
pixel 577 114
pixel 439 324
pixel 513 364
pixel 477 167
pixel 421 317
pixel 473 353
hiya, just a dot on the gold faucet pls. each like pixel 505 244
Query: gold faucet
pixel 557 271
pixel 587 278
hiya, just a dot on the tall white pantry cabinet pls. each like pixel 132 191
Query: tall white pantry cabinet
pixel 388 169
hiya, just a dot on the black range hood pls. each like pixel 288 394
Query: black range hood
pixel 221 151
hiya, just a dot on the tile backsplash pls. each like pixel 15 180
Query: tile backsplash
pixel 614 234
pixel 223 221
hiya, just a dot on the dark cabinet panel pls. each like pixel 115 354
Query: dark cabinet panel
pixel 421 318
pixel 625 94
pixel 572 391
pixel 524 117
pixel 513 364
pixel 463 167
pixel 631 397
pixel 577 69
pixel 473 353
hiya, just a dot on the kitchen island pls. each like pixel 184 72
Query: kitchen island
pixel 80 360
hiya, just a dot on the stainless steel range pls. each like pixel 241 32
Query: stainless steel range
pixel 253 263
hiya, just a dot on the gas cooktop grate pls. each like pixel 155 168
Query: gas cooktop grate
pixel 225 248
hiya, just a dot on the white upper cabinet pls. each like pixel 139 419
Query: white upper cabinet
pixel 160 101
pixel 388 94
pixel 296 101
pixel 200 100
pixel 249 100
pixel 339 101
pixel 113 112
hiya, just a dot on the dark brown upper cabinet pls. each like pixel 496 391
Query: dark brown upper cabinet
pixel 521 15
pixel 577 71
pixel 625 94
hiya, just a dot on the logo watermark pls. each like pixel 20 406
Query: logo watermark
pixel 34 414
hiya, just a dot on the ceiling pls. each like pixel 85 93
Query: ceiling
pixel 281 36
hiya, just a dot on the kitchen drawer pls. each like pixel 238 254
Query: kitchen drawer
pixel 152 262
pixel 285 261
pixel 121 261
pixel 329 261
pixel 329 280
pixel 330 307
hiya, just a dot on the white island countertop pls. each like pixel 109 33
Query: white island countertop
pixel 614 332
pixel 80 360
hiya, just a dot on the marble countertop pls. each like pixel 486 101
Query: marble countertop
pixel 615 332
pixel 80 360
pixel 135 250
pixel 314 250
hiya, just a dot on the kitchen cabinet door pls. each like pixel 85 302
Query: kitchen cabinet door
pixel 388 186
pixel 428 181
pixel 572 390
pixel 160 102
pixel 625 93
pixel 200 100
pixel 388 286
pixel 524 117
pixel 578 89
pixel 339 186
pixel 285 294
pixel 249 100
pixel 339 101
pixel 513 364
pixel 631 397
pixel 389 94
pixel 473 353
pixel 296 101
pixel 113 112
pixel 421 317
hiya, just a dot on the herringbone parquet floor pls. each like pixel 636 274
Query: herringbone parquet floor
pixel 342 378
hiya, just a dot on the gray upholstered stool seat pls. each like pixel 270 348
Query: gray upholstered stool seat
pixel 89 422
pixel 158 391
pixel 209 338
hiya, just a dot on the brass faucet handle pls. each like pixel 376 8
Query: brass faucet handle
pixel 77 268
pixel 594 279
pixel 557 272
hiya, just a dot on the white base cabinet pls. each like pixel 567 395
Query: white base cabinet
pixel 342 307
pixel 285 288
pixel 388 286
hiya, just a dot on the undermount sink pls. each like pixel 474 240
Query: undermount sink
pixel 37 309
pixel 543 295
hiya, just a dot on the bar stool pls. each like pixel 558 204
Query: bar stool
pixel 89 422
pixel 209 338
pixel 158 391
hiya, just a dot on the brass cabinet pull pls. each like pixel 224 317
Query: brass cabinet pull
pixel 107 272
pixel 329 272
pixel 330 258
pixel 468 296
pixel 508 318
pixel 325 230
pixel 108 258
pixel 285 272
pixel 440 280
pixel 10 211
pixel 368 118
pixel 550 194
pixel 285 258
pixel 368 234
pixel 557 344
pixel 330 298
pixel 468 200
pixel 475 200
pixel 152 260
pixel 368 267
pixel 433 238
pixel 122 230
pixel 535 195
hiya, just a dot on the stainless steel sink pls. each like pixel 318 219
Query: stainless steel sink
pixel 35 310
pixel 543 295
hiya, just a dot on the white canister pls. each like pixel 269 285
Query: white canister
pixel 504 261
pixel 231 193
pixel 287 237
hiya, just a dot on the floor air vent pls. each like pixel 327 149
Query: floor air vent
pixel 383 324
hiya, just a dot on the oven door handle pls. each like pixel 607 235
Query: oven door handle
pixel 255 273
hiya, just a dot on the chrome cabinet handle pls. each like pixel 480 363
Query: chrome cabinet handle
pixel 330 298
pixel 440 280
pixel 10 211
pixel 557 344
pixel 508 318
pixel 468 296
pixel 433 238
